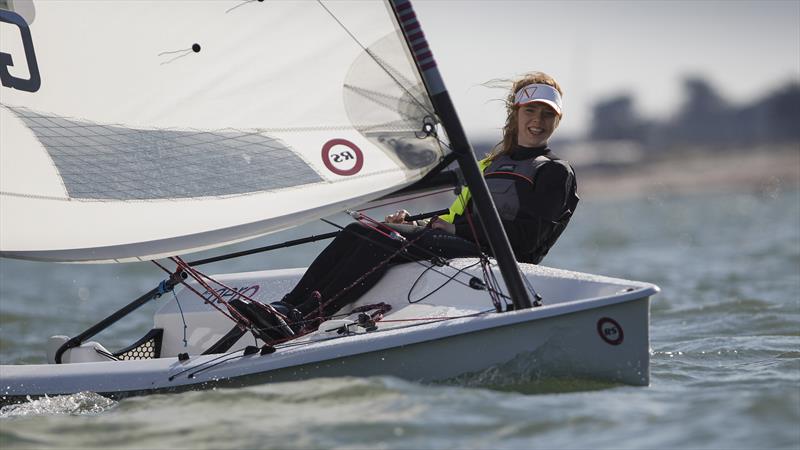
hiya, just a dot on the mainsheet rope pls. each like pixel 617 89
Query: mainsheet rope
pixel 491 284
pixel 433 255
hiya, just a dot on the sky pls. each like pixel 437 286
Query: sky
pixel 598 49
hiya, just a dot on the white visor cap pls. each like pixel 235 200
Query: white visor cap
pixel 543 93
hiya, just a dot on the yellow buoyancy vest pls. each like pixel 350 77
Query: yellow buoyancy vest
pixel 460 203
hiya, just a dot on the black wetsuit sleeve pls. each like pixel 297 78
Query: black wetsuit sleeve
pixel 540 204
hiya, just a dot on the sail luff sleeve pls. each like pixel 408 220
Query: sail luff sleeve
pixel 487 213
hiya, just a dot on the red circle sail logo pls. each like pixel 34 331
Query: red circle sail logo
pixel 342 157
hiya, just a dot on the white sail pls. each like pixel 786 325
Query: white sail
pixel 132 130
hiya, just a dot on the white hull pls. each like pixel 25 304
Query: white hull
pixel 590 327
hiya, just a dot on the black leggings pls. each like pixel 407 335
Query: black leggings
pixel 358 249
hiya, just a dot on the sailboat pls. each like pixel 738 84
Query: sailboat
pixel 140 132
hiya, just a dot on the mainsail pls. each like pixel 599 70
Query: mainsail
pixel 132 130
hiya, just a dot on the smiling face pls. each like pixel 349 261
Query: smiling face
pixel 536 122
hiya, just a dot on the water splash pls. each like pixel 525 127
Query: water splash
pixel 82 403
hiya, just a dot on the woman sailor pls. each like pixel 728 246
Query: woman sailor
pixel 534 191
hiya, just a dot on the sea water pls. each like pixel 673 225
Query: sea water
pixel 725 346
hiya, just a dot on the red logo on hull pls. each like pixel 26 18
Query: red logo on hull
pixel 610 331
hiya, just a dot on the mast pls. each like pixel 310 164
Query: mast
pixel 498 241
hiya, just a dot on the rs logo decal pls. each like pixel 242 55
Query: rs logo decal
pixel 610 331
pixel 33 82
pixel 342 157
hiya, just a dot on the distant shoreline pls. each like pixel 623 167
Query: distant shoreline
pixel 760 171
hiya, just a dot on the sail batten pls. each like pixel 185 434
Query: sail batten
pixel 228 121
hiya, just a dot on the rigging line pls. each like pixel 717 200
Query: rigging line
pixel 402 249
pixel 537 298
pixel 208 365
pixel 240 320
pixel 490 283
pixel 528 285
pixel 493 287
pixel 421 263
pixel 240 323
pixel 374 58
pixel 185 342
pixel 304 322
pixel 461 270
pixel 445 144
pixel 407 199
pixel 218 363
pixel 491 280
pixel 381 307
pixel 244 322
pixel 217 358
pixel 198 294
pixel 490 274
pixel 428 320
pixel 236 293
pixel 437 319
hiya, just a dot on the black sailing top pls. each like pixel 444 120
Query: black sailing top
pixel 541 204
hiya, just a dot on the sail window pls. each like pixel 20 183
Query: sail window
pixel 113 162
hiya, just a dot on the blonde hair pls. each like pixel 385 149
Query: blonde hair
pixel 510 128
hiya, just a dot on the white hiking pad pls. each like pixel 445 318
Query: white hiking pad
pixel 161 128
